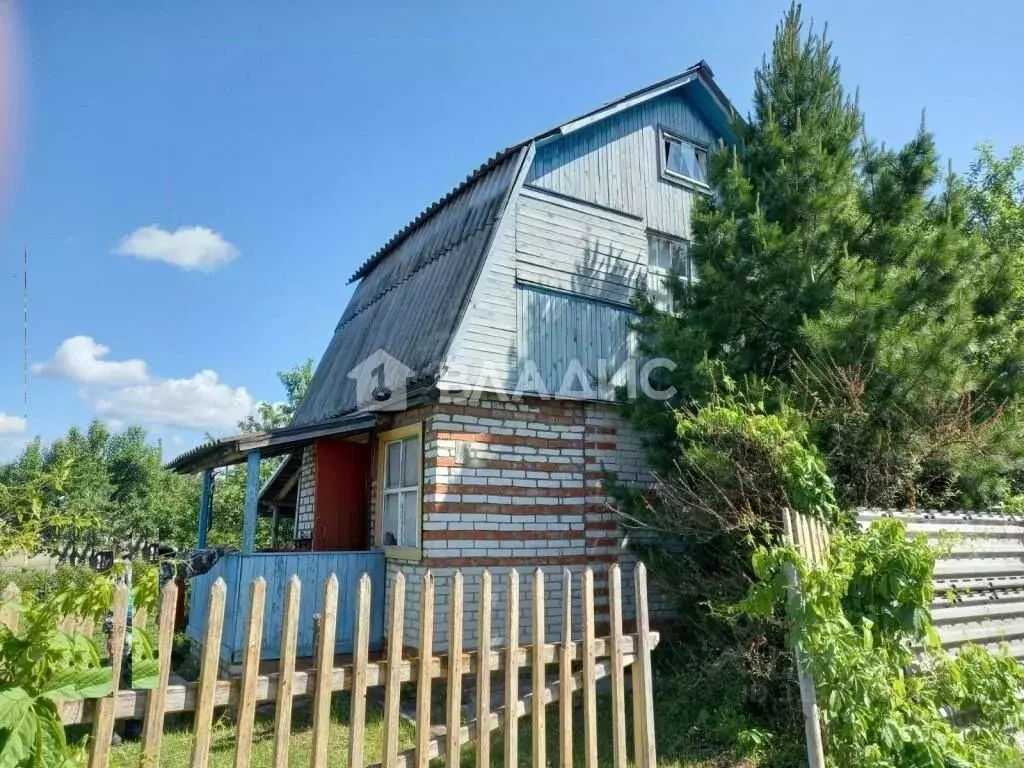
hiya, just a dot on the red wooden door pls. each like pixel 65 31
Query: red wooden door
pixel 341 512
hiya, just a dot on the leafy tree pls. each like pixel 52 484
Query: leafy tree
pixel 230 488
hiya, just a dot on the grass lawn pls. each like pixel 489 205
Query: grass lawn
pixel 176 752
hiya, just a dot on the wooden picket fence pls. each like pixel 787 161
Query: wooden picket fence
pixel 579 666
pixel 810 537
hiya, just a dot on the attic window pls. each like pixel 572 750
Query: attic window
pixel 683 160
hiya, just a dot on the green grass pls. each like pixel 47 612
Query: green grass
pixel 177 746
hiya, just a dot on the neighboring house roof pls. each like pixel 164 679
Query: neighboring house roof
pixel 414 290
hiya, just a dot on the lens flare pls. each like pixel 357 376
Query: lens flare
pixel 10 82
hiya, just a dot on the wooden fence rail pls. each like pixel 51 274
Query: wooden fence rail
pixel 579 666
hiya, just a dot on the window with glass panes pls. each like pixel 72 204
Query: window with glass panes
pixel 666 255
pixel 683 159
pixel 400 492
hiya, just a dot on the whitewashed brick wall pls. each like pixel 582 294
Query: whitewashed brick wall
pixel 518 484
pixel 306 500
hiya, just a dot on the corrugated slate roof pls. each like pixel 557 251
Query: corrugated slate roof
pixel 412 293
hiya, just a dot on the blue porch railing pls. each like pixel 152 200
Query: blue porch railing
pixel 238 571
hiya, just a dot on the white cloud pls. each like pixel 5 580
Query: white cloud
pixel 186 247
pixel 11 424
pixel 201 402
pixel 80 359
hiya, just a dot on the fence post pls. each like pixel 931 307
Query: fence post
pixel 453 712
pixel 208 675
pixel 512 671
pixel 289 647
pixel 423 679
pixel 565 676
pixel 483 673
pixel 250 671
pixel 393 670
pixel 357 709
pixel 321 713
pixel 103 728
pixel 153 728
pixel 643 685
pixel 618 665
pixel 808 696
pixel 539 684
pixel 589 673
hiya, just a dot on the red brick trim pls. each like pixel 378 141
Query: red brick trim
pixel 517 562
pixel 513 440
pixel 499 535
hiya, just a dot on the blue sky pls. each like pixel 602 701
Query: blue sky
pixel 284 148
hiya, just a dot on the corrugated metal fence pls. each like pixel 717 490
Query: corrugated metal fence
pixel 979 586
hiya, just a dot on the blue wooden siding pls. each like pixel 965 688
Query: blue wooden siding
pixel 577 248
pixel 578 226
pixel 277 568
pixel 615 163
pixel 565 336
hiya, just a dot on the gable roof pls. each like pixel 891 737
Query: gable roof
pixel 415 287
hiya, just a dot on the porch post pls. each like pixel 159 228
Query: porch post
pixel 252 492
pixel 205 503
pixel 273 524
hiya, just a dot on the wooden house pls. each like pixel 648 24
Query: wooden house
pixel 460 417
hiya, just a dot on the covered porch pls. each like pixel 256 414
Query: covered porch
pixel 330 534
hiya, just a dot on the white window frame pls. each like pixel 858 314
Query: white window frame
pixel 403 550
pixel 660 274
pixel 666 136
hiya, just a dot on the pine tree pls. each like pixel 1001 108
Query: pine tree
pixel 828 265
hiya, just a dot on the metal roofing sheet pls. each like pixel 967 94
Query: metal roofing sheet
pixel 979 584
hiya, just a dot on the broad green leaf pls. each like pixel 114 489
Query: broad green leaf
pixel 73 684
pixel 19 733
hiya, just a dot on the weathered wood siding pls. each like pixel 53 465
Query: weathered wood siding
pixel 238 570
pixel 575 346
pixel 572 250
pixel 581 249
pixel 614 163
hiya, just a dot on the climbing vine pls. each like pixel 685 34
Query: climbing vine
pixel 890 696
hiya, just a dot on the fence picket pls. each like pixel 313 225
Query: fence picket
pixel 139 619
pixel 453 711
pixel 321 713
pixel 618 664
pixel 392 689
pixel 511 742
pixel 246 692
pixel 203 725
pixel 103 728
pixel 424 679
pixel 564 677
pixel 153 723
pixel 289 648
pixel 250 671
pixel 795 525
pixel 643 698
pixel 8 614
pixel 539 683
pixel 589 677
pixel 357 707
pixel 483 672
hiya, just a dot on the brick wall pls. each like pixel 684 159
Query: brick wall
pixel 518 484
pixel 305 503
